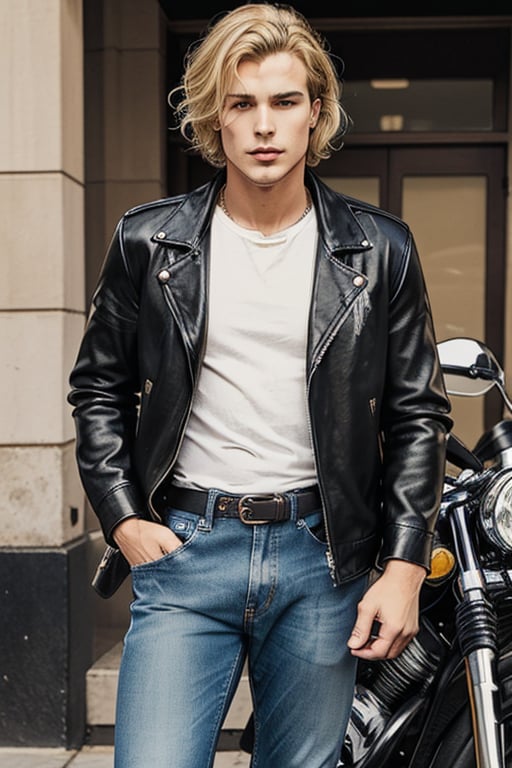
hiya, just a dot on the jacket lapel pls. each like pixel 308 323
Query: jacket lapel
pixel 181 265
pixel 339 291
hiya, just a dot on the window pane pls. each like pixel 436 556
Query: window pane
pixel 361 187
pixel 419 105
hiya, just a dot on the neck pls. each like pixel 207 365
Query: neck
pixel 265 209
pixel 266 229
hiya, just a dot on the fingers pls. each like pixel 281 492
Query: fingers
pixel 393 600
pixel 383 647
pixel 380 634
pixel 383 642
pixel 365 631
pixel 168 541
pixel 143 541
pixel 159 545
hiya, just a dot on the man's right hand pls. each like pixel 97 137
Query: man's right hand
pixel 142 541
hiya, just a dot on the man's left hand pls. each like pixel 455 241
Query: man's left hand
pixel 393 602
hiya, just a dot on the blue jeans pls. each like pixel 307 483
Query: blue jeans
pixel 233 592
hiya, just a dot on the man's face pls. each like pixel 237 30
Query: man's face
pixel 267 118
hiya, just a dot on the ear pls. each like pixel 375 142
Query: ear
pixel 315 112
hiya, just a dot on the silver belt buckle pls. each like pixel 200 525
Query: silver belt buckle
pixel 247 507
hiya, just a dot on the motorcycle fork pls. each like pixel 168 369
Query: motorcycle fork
pixel 487 732
pixel 477 634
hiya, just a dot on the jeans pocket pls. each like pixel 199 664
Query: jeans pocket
pixel 184 526
pixel 315 526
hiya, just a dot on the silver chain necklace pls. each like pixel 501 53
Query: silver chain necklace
pixel 224 209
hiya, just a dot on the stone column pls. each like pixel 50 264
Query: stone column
pixel 125 165
pixel 45 636
pixel 125 115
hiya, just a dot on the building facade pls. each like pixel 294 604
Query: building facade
pixel 87 133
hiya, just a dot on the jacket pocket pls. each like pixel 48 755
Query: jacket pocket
pixel 372 405
pixel 143 398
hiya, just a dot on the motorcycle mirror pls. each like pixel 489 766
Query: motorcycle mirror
pixel 457 453
pixel 469 367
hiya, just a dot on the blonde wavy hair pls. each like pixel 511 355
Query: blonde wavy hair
pixel 253 32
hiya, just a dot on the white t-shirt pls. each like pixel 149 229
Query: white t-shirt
pixel 248 430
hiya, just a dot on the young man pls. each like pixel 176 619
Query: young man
pixel 291 425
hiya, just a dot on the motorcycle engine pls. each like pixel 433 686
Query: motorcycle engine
pixel 382 686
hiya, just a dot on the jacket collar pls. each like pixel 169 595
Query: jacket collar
pixel 190 218
pixel 338 226
pixel 338 290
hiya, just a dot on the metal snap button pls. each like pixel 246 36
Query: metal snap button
pixel 161 235
pixel 358 281
pixel 164 275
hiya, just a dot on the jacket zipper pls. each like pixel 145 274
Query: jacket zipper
pixel 183 428
pixel 329 339
pixel 329 556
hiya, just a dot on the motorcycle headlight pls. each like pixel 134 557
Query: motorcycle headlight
pixel 496 512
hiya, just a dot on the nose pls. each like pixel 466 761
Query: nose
pixel 264 124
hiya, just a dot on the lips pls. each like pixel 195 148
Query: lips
pixel 265 154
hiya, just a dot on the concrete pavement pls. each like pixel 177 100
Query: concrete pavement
pixel 90 757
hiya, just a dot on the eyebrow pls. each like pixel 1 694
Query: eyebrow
pixel 285 95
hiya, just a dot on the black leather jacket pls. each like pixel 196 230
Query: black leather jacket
pixel 378 409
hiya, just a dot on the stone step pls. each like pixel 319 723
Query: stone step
pixel 102 689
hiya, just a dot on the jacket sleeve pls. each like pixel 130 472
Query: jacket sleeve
pixel 104 394
pixel 415 419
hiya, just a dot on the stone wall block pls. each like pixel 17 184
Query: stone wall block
pixel 38 350
pixel 41 499
pixel 42 221
pixel 41 89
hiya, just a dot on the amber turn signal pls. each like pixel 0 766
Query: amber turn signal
pixel 442 564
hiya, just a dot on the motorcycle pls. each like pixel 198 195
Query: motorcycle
pixel 446 701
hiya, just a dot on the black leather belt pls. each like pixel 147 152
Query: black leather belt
pixel 251 508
